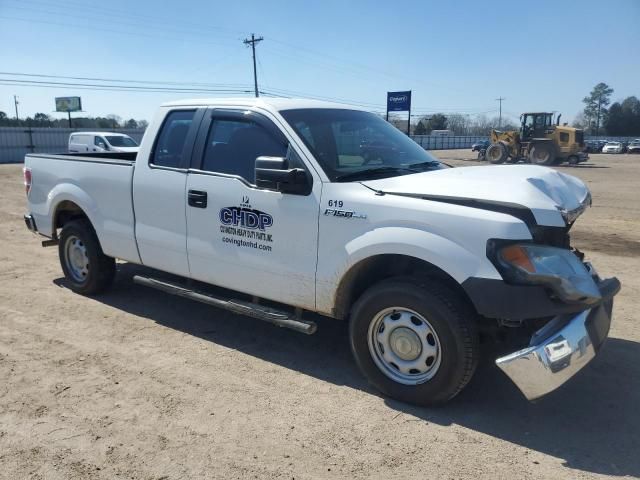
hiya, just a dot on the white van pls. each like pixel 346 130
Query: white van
pixel 441 133
pixel 80 142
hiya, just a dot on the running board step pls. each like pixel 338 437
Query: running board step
pixel 271 315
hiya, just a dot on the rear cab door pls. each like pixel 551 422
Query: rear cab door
pixel 254 240
pixel 159 190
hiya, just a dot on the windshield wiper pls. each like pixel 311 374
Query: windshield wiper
pixel 425 165
pixel 369 172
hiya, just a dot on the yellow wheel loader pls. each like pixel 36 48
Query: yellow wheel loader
pixel 539 141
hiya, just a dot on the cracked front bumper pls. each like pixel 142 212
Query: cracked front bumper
pixel 562 347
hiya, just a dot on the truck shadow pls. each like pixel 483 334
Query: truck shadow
pixel 592 423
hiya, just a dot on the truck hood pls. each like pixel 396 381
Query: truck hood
pixel 554 198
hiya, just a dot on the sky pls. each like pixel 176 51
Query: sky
pixel 455 56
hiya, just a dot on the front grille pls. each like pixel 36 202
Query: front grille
pixel 580 137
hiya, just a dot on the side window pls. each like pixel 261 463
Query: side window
pixel 99 142
pixel 564 137
pixel 171 139
pixel 233 146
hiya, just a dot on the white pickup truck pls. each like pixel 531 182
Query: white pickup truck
pixel 304 207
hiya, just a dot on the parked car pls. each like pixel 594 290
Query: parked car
pixel 81 142
pixel 261 197
pixel 612 147
pixel 483 145
pixel 592 146
pixel 634 147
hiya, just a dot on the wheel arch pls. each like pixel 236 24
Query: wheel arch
pixel 65 211
pixel 69 202
pixel 376 268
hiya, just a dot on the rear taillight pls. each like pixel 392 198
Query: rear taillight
pixel 27 179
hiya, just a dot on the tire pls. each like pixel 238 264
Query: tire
pixel 542 154
pixel 496 153
pixel 446 329
pixel 573 160
pixel 87 269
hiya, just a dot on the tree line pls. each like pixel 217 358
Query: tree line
pixel 456 123
pixel 600 116
pixel 44 120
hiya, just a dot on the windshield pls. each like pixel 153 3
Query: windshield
pixel 118 141
pixel 354 145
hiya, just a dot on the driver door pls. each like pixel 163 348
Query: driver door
pixel 99 144
pixel 242 237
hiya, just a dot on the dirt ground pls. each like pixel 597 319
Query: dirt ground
pixel 141 385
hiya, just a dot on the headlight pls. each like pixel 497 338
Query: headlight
pixel 556 268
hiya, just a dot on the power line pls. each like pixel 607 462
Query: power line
pixel 157 86
pixel 117 80
pixel 66 8
pixel 117 88
pixel 93 27
pixel 191 28
pixel 253 42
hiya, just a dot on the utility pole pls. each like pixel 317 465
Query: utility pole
pixel 500 99
pixel 16 102
pixel 253 42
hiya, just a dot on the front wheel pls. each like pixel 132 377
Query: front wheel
pixel 496 153
pixel 414 340
pixel 87 269
pixel 542 154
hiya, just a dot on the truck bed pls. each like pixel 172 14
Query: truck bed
pixel 100 183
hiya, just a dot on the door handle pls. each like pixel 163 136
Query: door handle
pixel 197 198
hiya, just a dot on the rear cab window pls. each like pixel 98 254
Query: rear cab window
pixel 170 143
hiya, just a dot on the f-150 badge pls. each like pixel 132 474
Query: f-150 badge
pixel 333 212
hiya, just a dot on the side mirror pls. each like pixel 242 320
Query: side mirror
pixel 274 173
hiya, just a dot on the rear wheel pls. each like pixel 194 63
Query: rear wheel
pixel 87 269
pixel 415 341
pixel 573 160
pixel 496 153
pixel 542 154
